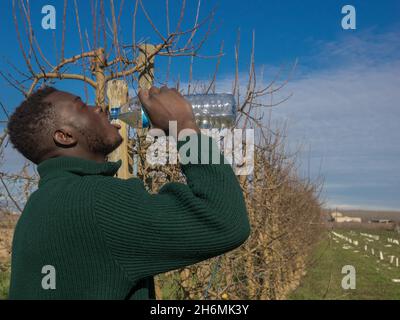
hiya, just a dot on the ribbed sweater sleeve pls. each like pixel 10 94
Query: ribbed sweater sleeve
pixel 183 224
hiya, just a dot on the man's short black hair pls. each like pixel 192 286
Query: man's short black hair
pixel 31 123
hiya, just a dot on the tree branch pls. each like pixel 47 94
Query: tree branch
pixel 61 76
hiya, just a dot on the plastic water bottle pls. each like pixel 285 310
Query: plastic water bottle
pixel 213 110
pixel 210 111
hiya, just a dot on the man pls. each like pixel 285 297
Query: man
pixel 85 234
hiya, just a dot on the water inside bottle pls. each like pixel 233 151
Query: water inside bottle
pixel 213 110
pixel 218 122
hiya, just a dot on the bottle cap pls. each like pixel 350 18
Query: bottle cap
pixel 114 113
pixel 145 120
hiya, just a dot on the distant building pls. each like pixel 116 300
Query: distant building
pixel 347 219
pixel 340 218
pixel 336 214
pixel 381 221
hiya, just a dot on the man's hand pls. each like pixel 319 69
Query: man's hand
pixel 164 105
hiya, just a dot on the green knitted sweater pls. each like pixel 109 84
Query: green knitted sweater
pixel 106 237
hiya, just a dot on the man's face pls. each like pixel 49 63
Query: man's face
pixel 89 125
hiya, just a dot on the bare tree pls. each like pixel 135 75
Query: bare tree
pixel 103 56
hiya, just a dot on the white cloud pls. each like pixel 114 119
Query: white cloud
pixel 347 111
pixel 359 206
pixel 350 115
pixel 364 48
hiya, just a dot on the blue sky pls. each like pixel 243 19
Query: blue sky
pixel 345 105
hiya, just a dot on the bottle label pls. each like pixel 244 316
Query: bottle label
pixel 145 120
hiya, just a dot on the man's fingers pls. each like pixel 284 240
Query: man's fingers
pixel 176 91
pixel 153 91
pixel 143 94
pixel 144 98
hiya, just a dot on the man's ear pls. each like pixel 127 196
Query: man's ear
pixel 64 138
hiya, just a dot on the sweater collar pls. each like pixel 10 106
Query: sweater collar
pixel 78 166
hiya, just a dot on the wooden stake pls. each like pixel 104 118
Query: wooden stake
pixel 146 78
pixel 146 75
pixel 117 93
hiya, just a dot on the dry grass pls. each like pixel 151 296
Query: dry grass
pixel 285 217
pixel 7 225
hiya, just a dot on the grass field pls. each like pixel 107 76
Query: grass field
pixel 4 283
pixel 374 277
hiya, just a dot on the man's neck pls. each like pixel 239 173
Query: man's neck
pixel 100 158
